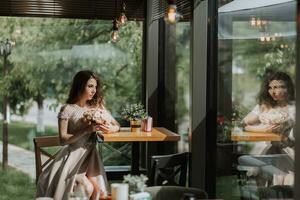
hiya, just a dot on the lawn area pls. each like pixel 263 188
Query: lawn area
pixel 16 185
pixel 21 133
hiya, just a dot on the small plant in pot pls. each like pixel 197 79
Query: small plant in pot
pixel 137 183
pixel 134 113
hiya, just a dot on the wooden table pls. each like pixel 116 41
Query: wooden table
pixel 255 137
pixel 158 134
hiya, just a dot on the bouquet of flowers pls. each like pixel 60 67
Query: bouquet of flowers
pixel 224 127
pixel 134 112
pixel 93 116
pixel 136 183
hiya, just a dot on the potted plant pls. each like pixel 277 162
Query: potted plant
pixel 134 113
pixel 137 183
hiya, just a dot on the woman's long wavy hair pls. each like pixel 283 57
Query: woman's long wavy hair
pixel 78 86
pixel 265 98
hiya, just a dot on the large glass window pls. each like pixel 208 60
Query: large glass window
pixel 47 54
pixel 256 99
pixel 182 83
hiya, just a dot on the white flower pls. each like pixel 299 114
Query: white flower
pixel 134 112
pixel 136 183
pixel 93 116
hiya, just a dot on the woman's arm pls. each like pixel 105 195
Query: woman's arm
pixel 111 125
pixel 67 138
pixel 264 128
pixel 251 119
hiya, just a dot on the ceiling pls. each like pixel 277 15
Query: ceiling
pixel 86 9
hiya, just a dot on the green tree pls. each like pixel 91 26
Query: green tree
pixel 47 55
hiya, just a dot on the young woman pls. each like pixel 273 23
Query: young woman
pixel 275 111
pixel 78 167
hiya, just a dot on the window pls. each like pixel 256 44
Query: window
pixel 182 83
pixel 256 105
pixel 47 54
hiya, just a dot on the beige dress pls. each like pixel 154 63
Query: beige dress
pixel 284 116
pixel 74 161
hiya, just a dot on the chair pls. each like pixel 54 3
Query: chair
pixel 256 174
pixel 276 192
pixel 165 169
pixel 43 142
pixel 174 192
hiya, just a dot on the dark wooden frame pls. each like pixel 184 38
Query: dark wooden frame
pixel 204 59
pixel 297 126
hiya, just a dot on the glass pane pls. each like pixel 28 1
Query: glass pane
pixel 182 83
pixel 256 99
pixel 47 54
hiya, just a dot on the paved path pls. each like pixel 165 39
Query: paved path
pixel 21 159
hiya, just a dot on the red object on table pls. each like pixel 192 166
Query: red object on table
pixel 106 198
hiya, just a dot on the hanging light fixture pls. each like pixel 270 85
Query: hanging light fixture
pixel 265 38
pixel 115 31
pixel 122 18
pixel 257 22
pixel 172 16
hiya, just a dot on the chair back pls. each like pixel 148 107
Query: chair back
pixel 169 169
pixel 39 144
pixel 175 193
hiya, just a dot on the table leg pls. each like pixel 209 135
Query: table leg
pixel 135 158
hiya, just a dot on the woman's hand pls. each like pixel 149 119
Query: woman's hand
pixel 107 127
pixel 97 127
pixel 91 128
pixel 102 127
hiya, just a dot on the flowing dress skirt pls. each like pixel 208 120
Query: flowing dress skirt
pixel 66 172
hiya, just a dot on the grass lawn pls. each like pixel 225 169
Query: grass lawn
pixel 21 133
pixel 16 185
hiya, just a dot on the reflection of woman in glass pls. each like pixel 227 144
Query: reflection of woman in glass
pixel 78 168
pixel 274 113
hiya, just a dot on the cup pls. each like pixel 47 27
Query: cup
pixel 119 191
pixel 147 124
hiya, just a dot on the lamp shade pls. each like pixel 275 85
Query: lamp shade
pixel 115 31
pixel 172 16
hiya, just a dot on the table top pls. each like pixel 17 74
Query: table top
pixel 255 137
pixel 158 134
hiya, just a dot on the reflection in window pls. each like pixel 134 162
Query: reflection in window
pixel 182 81
pixel 256 110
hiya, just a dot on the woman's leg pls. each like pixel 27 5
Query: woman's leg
pixel 83 185
pixel 96 189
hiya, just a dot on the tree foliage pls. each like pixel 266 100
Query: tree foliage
pixel 49 52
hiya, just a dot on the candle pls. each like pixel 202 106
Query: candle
pixel 119 191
